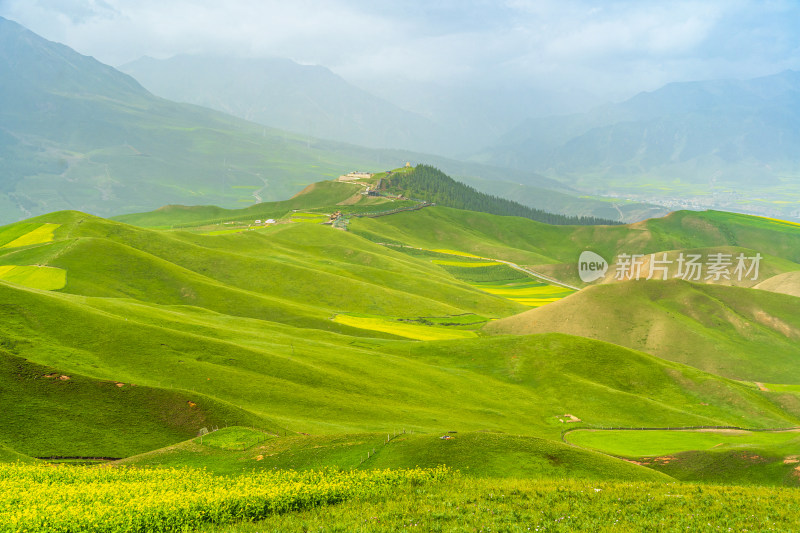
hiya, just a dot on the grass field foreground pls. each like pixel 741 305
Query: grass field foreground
pixel 59 499
pixel 513 505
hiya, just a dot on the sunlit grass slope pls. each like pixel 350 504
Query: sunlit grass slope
pixel 322 194
pixel 303 269
pixel 531 243
pixel 308 380
pixel 653 443
pixel 475 454
pixel 242 325
pixel 40 234
pixel 493 277
pixel 316 381
pixel 403 329
pixel 740 333
pixel 51 413
pixel 36 277
pixel 469 504
pixel 604 384
pixel 7 455
pixel 725 456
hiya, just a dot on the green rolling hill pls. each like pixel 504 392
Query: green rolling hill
pixel 206 319
pixel 428 183
pixel 477 454
pixel 744 334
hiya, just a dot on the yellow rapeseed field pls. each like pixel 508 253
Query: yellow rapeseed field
pixel 42 497
pixel 40 235
pixel 402 329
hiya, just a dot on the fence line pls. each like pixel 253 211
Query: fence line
pixel 389 438
pixel 66 457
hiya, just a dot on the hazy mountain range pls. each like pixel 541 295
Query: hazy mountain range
pixel 727 143
pixel 77 134
pixel 308 100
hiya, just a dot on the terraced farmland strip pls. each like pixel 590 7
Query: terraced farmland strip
pixel 35 277
pixel 410 331
pixel 42 234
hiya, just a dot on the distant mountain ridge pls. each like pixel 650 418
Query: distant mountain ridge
pixel 730 144
pixel 277 92
pixel 78 134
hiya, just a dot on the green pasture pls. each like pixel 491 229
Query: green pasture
pixel 35 277
pixel 468 504
pixel 476 454
pixel 651 443
pixel 233 438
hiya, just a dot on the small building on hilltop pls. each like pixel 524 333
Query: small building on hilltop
pixel 353 176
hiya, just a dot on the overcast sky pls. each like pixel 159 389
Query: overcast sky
pixel 611 49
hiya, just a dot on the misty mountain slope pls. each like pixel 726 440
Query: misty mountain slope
pixel 308 100
pixel 722 143
pixel 77 134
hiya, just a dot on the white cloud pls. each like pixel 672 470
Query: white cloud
pixel 614 48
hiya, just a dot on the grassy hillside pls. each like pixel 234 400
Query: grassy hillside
pixel 7 455
pixel 603 384
pixel 50 413
pixel 554 250
pixel 307 379
pixel 321 194
pixel 301 328
pixel 475 454
pixel 427 183
pixel 722 456
pixel 468 504
pixel 740 333
pixel 299 269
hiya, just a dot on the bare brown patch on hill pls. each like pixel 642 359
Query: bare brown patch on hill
pixel 786 283
pixel 307 190
pixel 352 199
pixel 772 322
pixel 697 225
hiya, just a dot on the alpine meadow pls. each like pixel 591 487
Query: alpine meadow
pixel 251 301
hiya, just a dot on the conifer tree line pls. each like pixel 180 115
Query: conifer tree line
pixel 432 185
